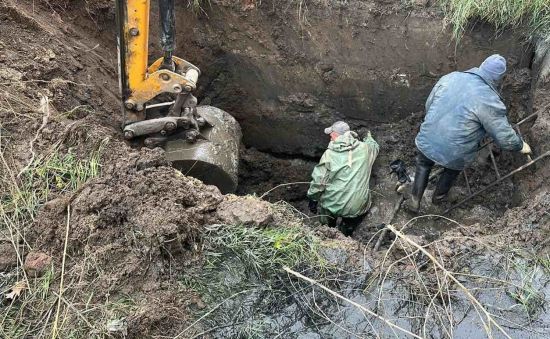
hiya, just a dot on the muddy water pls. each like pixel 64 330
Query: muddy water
pixel 290 308
pixel 529 320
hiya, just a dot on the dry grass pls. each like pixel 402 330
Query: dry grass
pixel 48 175
pixel 444 290
pixel 52 172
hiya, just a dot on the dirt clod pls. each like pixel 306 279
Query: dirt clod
pixel 246 210
pixel 134 209
pixel 36 263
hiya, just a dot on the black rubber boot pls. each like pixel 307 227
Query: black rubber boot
pixel 421 178
pixel 446 181
pixel 349 225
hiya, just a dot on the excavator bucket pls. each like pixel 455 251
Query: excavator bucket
pixel 214 157
pixel 202 142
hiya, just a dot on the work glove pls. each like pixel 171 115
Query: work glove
pixel 526 148
pixel 312 206
pixel 363 133
pixel 400 168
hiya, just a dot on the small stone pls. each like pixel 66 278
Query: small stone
pixel 10 74
pixel 36 263
pixel 248 5
pixel 57 205
pixel 477 214
pixel 118 326
pixel 51 54
pixel 393 140
pixel 201 305
pixel 446 252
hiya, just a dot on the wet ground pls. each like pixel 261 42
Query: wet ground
pixel 424 305
pixel 137 229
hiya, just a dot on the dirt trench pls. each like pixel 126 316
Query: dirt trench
pixel 285 73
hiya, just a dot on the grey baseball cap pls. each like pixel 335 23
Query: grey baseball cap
pixel 339 127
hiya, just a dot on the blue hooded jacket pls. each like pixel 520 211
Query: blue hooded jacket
pixel 462 108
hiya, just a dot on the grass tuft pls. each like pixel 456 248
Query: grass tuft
pixel 528 292
pixel 265 250
pixel 534 15
pixel 54 173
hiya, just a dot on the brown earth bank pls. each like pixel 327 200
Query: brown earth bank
pixel 282 70
pixel 289 66
pixel 139 245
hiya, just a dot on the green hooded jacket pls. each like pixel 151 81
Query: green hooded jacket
pixel 340 182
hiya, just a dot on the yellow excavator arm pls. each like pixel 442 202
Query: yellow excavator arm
pixel 139 82
pixel 202 142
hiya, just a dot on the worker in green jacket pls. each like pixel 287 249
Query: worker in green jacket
pixel 340 182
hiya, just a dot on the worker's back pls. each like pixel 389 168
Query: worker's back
pixel 349 164
pixel 461 109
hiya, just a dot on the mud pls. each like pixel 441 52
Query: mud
pixel 275 178
pixel 127 197
pixel 8 257
pixel 138 229
pixel 247 211
pixel 140 237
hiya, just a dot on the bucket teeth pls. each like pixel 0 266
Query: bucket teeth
pixel 153 142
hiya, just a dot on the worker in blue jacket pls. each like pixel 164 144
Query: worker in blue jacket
pixel 461 110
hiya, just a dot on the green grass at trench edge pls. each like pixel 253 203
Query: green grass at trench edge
pixel 54 173
pixel 531 15
pixel 262 251
pixel 241 258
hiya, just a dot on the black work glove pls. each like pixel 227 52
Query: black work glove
pixel 312 206
pixel 400 168
pixel 363 133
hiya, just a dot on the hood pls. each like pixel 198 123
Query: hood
pixel 494 84
pixel 346 142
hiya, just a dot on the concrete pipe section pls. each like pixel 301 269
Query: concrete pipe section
pixel 215 159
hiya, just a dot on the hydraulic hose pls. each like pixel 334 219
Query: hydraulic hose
pixel 167 27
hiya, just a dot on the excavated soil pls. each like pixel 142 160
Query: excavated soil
pixel 106 257
pixel 134 230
